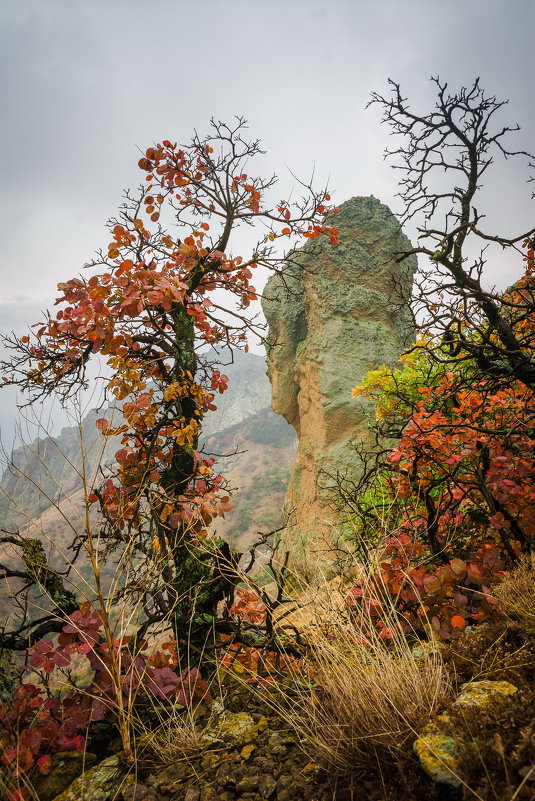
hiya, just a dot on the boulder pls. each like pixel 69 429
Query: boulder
pixel 101 783
pixel 486 698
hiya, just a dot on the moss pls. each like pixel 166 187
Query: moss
pixel 34 557
pixel 200 583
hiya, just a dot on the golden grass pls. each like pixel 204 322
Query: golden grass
pixel 370 702
pixel 517 591
pixel 368 698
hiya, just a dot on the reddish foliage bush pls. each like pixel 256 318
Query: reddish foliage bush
pixel 428 600
pixel 457 491
pixel 40 721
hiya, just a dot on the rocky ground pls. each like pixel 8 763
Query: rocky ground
pixel 481 745
pixel 242 756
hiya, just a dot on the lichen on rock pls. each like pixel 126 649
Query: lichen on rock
pixel 486 697
pixel 338 312
pixel 438 754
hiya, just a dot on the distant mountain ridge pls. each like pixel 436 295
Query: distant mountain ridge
pixel 243 422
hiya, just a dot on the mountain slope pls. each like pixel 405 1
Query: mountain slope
pixel 47 475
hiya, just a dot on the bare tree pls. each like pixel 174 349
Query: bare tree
pixel 444 157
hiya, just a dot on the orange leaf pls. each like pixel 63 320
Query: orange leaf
pixel 458 622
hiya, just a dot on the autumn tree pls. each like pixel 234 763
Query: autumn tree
pixel 448 492
pixel 166 294
pixel 451 504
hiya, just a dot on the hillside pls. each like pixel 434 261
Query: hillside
pixel 260 447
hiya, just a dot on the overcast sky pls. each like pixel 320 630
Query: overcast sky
pixel 85 83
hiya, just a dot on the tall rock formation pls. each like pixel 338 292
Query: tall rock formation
pixel 339 312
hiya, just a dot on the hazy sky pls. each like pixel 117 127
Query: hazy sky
pixel 85 83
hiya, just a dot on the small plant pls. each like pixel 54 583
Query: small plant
pixel 55 713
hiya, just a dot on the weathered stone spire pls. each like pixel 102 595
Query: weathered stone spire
pixel 342 311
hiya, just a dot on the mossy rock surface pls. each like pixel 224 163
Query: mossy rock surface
pixel 66 767
pixel 438 754
pixel 487 697
pixel 101 783
pixel 338 312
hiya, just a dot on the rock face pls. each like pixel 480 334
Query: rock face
pixel 340 312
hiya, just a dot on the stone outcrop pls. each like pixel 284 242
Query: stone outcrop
pixel 443 747
pixel 339 312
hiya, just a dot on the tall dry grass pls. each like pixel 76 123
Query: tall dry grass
pixel 517 591
pixel 370 698
pixel 357 702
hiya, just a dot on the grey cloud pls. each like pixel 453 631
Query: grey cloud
pixel 87 83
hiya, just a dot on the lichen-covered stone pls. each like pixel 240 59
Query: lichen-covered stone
pixel 66 766
pixel 101 783
pixel 247 751
pixel 237 728
pixel 441 743
pixel 339 312
pixel 486 697
pixel 438 754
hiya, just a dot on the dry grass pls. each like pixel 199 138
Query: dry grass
pixel 178 736
pixel 369 698
pixel 517 591
pixel 369 703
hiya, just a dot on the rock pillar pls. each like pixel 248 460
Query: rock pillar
pixel 338 312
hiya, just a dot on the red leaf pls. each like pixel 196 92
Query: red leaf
pixel 44 764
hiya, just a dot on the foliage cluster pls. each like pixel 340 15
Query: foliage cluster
pixel 457 492
pixel 71 687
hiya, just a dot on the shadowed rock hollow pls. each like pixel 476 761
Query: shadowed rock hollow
pixel 340 312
